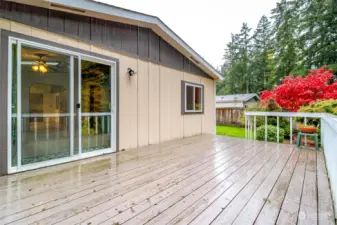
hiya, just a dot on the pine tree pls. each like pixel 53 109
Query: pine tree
pixel 262 67
pixel 244 41
pixel 285 34
pixel 319 33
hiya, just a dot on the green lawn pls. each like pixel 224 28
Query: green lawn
pixel 230 131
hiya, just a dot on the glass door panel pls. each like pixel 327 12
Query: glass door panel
pixel 45 105
pixel 95 106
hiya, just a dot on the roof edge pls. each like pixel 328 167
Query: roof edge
pixel 103 8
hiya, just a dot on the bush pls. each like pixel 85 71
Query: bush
pixel 272 133
pixel 322 106
pixel 260 120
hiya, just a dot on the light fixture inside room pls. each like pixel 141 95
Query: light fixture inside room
pixel 40 66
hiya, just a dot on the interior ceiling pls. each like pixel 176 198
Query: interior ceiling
pixel 30 54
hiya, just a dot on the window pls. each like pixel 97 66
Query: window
pixel 192 98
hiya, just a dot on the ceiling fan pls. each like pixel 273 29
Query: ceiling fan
pixel 40 65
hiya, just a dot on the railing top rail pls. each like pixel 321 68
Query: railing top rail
pixel 330 119
pixel 286 114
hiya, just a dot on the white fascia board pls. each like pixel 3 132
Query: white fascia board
pixel 103 8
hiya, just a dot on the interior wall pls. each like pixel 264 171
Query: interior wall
pixel 149 101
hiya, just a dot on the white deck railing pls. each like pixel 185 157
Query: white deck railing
pixel 328 137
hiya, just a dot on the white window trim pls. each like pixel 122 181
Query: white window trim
pixel 201 98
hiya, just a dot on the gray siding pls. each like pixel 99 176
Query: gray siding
pixel 125 38
pixel 3 108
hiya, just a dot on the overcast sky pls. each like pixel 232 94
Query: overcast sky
pixel 206 25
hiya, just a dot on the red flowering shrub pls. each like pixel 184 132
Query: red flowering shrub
pixel 295 92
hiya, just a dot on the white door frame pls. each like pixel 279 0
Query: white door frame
pixel 72 157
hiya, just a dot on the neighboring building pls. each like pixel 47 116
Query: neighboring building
pixel 239 101
pixel 82 78
pixel 230 108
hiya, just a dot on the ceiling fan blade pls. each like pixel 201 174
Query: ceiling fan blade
pixel 37 62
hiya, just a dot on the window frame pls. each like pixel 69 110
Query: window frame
pixel 184 109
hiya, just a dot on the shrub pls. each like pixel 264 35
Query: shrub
pixel 295 92
pixel 321 106
pixel 272 133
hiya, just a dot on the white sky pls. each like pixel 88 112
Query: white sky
pixel 205 25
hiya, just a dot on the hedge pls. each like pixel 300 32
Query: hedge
pixel 272 133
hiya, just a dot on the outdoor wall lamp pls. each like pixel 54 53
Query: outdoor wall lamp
pixel 131 72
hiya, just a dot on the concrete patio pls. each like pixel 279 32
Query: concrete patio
pixel 200 180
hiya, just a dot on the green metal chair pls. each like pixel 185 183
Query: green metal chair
pixel 299 138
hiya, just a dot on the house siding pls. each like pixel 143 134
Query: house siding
pixel 127 39
pixel 149 102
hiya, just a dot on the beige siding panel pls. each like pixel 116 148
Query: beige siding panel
pixel 192 125
pixel 143 103
pixel 208 116
pixel 192 78
pixel 62 40
pixel 102 51
pixel 84 46
pixel 20 28
pixel 5 24
pixel 154 103
pixel 39 33
pixel 127 104
pixel 171 122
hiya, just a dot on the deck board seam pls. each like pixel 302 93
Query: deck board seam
pixel 232 200
pixel 233 182
pixel 199 159
pixel 305 172
pixel 104 177
pixel 181 189
pixel 284 165
pixel 285 193
pixel 184 161
pixel 190 175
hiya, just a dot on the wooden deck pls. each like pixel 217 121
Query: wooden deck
pixel 200 180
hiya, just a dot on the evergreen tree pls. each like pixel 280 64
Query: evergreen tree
pixel 285 34
pixel 319 33
pixel 236 66
pixel 301 35
pixel 262 67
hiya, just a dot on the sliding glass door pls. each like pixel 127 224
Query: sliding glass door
pixel 45 105
pixel 95 106
pixel 61 105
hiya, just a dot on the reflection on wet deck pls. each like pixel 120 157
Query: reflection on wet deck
pixel 200 180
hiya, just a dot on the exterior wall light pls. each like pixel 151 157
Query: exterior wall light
pixel 131 72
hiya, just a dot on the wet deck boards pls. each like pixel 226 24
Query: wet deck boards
pixel 200 180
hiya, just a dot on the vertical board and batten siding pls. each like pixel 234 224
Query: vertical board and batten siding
pixel 149 102
pixel 143 103
pixel 123 38
pixel 3 108
pixel 154 103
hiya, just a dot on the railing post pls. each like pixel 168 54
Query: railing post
pixel 265 128
pixel 254 127
pixel 322 133
pixel 248 130
pixel 291 130
pixel 251 128
pixel 305 138
pixel 278 129
pixel 246 127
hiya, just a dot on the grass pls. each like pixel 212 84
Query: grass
pixel 230 131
